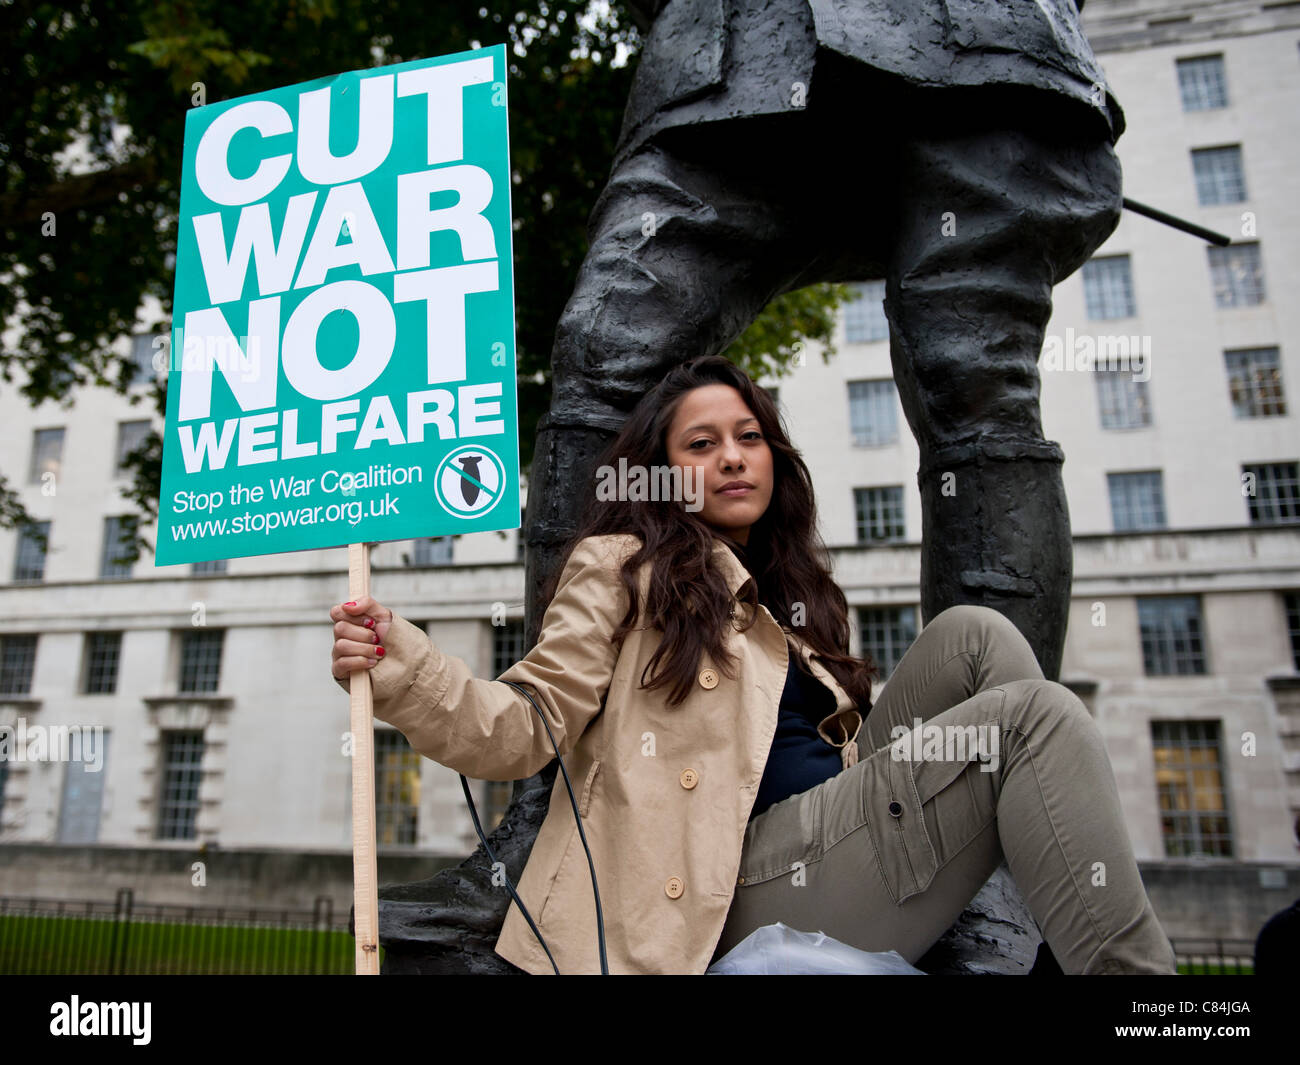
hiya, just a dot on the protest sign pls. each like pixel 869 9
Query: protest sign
pixel 342 363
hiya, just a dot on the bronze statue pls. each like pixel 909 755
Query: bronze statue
pixel 961 150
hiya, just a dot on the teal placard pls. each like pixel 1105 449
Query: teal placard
pixel 342 360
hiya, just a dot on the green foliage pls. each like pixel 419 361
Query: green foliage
pixel 776 340
pixel 82 245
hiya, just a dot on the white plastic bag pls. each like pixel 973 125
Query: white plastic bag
pixel 777 950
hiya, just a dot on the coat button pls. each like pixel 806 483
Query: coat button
pixel 896 809
pixel 740 880
pixel 674 887
pixel 689 778
pixel 708 678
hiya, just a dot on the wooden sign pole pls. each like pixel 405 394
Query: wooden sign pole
pixel 365 898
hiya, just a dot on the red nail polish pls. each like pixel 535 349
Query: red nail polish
pixel 374 637
pixel 349 604
pixel 380 652
pixel 369 623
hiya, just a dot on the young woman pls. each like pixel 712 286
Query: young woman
pixel 693 668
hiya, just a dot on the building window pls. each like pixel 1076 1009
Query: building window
pixel 102 654
pixel 864 315
pixel 1108 287
pixel 17 661
pixel 1202 83
pixel 29 559
pixel 1125 403
pixel 1189 782
pixel 885 633
pixel 1172 641
pixel 142 356
pixel 208 567
pixel 878 513
pixel 47 455
pixel 130 435
pixel 113 560
pixel 1272 492
pixel 182 774
pixel 1291 600
pixel 1237 274
pixel 507 646
pixel 1219 175
pixel 4 779
pixel 1255 382
pixel 1137 500
pixel 435 551
pixel 201 659
pixel 873 415
pixel 397 789
pixel 83 793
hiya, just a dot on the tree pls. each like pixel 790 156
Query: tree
pixel 91 148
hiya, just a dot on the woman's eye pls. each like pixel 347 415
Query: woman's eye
pixel 691 447
pixel 753 434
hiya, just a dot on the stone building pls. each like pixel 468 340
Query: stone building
pixel 1170 377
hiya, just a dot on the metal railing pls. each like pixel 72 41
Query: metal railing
pixel 125 937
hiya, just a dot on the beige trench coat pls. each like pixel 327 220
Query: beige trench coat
pixel 665 793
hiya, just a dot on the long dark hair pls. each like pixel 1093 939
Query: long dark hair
pixel 688 599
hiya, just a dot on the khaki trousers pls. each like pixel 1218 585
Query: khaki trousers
pixel 886 854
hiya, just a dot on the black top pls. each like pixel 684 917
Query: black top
pixel 799 759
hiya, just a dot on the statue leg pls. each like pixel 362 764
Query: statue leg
pixel 990 218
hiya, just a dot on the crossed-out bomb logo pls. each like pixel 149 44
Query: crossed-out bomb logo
pixel 470 481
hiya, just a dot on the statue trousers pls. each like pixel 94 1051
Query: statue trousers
pixel 970 204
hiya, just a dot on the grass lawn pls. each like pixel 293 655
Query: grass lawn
pixel 1215 969
pixel 79 946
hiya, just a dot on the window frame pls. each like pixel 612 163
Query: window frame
pixel 190 638
pixel 1214 60
pixel 88 662
pixel 862 518
pixel 875 396
pixel 28 640
pixel 1215 178
pixel 1124 479
pixel 1098 288
pixel 1150 648
pixel 1164 738
pixel 24 540
pixel 35 472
